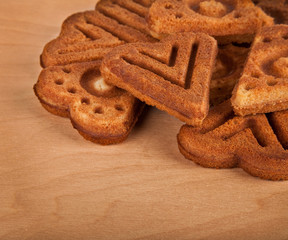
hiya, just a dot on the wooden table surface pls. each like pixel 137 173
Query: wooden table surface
pixel 55 185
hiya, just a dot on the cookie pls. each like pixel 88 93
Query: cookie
pixel 227 71
pixel 258 144
pixel 173 75
pixel 263 86
pixel 228 21
pixel 101 113
pixel 278 9
pixel 71 85
pixel 90 35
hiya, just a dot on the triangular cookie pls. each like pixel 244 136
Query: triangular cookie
pixel 174 74
pixel 263 86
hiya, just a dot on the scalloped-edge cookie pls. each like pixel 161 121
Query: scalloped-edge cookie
pixel 101 113
pixel 71 85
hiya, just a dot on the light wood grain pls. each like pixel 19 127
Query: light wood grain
pixel 56 185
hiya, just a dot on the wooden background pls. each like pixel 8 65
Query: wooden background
pixel 55 185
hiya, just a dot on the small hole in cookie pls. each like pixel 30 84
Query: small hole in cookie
pixel 71 90
pixel 85 101
pixel 59 81
pixel 66 70
pixel 255 75
pixel 285 37
pixel 98 110
pixel 237 15
pixel 119 108
pixel 267 40
pixel 179 15
pixel 249 87
pixel 272 82
pixel 168 6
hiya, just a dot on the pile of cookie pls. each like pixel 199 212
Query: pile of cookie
pixel 184 57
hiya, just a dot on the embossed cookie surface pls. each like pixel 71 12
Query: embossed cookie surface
pixel 236 20
pixel 263 87
pixel 101 113
pixel 89 35
pixel 173 75
pixel 258 144
pixel 71 84
pixel 227 71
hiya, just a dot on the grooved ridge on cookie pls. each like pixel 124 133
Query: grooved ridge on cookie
pixel 174 74
pixel 258 144
pixel 263 86
pixel 231 19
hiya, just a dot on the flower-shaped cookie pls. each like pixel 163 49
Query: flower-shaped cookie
pixel 71 85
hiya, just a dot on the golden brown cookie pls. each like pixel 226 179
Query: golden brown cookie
pixel 228 21
pixel 101 113
pixel 263 87
pixel 227 71
pixel 71 85
pixel 89 35
pixel 278 9
pixel 258 144
pixel 173 75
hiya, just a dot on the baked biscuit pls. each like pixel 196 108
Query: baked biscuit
pixel 258 144
pixel 71 84
pixel 227 71
pixel 101 113
pixel 263 86
pixel 173 75
pixel 278 9
pixel 228 21
pixel 89 35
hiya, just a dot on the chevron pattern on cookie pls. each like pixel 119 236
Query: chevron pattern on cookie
pixel 101 113
pixel 214 17
pixel 258 144
pixel 70 85
pixel 278 9
pixel 227 71
pixel 263 86
pixel 174 74
pixel 89 35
